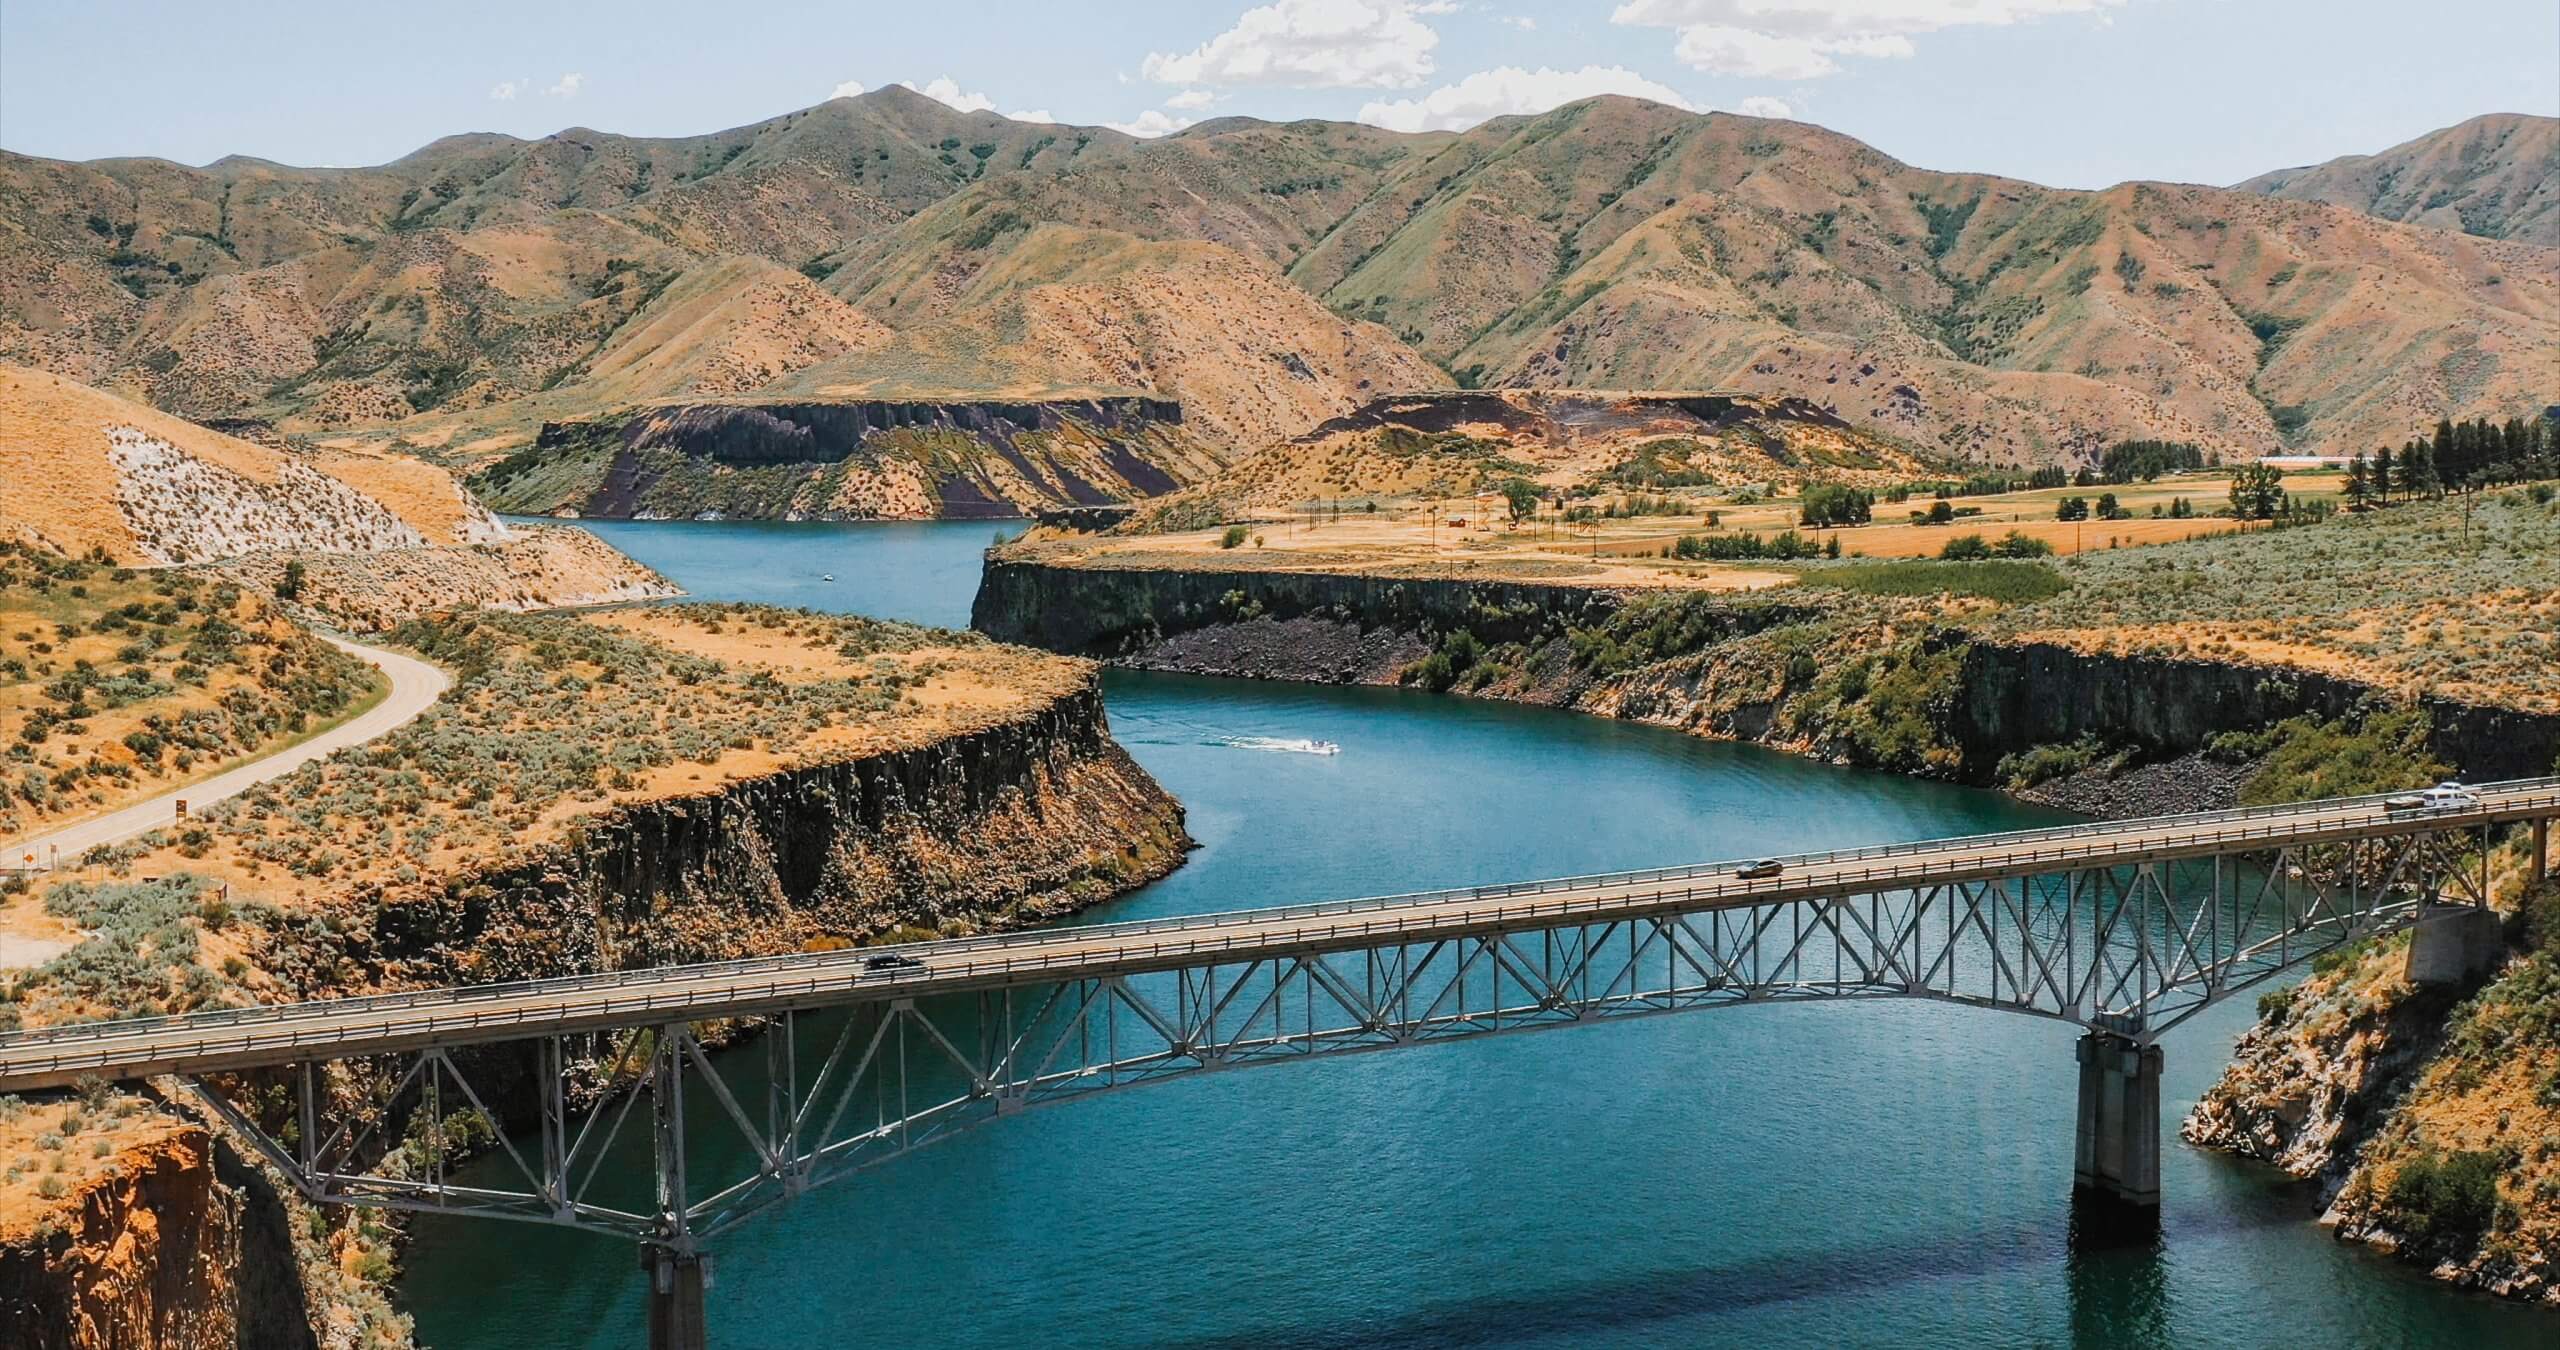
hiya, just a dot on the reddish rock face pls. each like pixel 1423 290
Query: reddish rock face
pixel 145 1255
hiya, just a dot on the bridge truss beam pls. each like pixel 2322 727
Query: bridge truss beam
pixel 2129 952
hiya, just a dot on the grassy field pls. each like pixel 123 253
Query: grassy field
pixel 1624 538
pixel 2457 597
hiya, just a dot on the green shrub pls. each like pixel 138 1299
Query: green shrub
pixel 1234 537
pixel 1965 548
pixel 2447 1199
pixel 2306 758
pixel 2044 763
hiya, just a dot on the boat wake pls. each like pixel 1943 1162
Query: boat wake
pixel 1286 745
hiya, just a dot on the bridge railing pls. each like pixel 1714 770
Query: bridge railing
pixel 813 974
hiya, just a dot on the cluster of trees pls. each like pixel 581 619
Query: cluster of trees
pixel 1989 483
pixel 2126 461
pixel 1943 512
pixel 2459 457
pixel 2078 508
pixel 2014 544
pixel 2257 492
pixel 1731 547
pixel 1833 504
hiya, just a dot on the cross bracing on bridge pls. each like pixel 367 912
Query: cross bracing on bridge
pixel 343 1028
pixel 2126 928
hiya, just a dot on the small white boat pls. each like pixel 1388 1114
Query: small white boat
pixel 828 577
pixel 1290 745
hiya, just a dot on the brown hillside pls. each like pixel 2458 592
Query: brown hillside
pixel 83 470
pixel 1577 442
pixel 1611 244
pixel 1250 357
pixel 2496 176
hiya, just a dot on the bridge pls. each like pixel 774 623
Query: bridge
pixel 841 1061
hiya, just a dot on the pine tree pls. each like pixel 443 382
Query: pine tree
pixel 2357 485
pixel 2418 470
pixel 2382 473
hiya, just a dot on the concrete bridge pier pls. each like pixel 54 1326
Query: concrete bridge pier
pixel 2117 1155
pixel 2452 944
pixel 2541 851
pixel 676 1281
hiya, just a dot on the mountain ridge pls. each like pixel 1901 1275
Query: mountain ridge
pixel 1610 242
pixel 2515 195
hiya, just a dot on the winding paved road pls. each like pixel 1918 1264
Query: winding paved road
pixel 415 686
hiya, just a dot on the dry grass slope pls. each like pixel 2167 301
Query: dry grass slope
pixel 460 297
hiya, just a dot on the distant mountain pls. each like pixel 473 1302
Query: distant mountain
pixel 1267 275
pixel 2496 176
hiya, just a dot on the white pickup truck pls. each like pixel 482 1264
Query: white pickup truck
pixel 2441 797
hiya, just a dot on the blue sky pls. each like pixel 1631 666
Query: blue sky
pixel 2075 93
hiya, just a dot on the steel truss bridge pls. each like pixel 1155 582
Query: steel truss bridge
pixel 597 1102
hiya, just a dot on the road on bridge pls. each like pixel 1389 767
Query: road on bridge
pixel 243 1038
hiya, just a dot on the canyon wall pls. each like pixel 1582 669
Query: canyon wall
pixel 183 1243
pixel 837 459
pixel 2008 697
pixel 1032 818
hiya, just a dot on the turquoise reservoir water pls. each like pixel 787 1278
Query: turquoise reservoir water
pixel 1860 1174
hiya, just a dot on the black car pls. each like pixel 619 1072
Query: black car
pixel 890 961
pixel 1766 867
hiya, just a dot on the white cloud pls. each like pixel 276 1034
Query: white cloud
pixel 1152 122
pixel 567 87
pixel 1312 44
pixel 1191 100
pixel 1802 39
pixel 848 89
pixel 1520 21
pixel 506 90
pixel 1739 51
pixel 1761 105
pixel 1032 115
pixel 1509 89
pixel 948 91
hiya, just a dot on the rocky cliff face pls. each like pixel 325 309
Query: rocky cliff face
pixel 2320 1071
pixel 182 1244
pixel 144 1256
pixel 2429 1117
pixel 1027 820
pixel 2002 698
pixel 1121 613
pixel 853 459
pixel 540 567
pixel 2017 697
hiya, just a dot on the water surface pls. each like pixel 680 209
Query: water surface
pixel 1873 1173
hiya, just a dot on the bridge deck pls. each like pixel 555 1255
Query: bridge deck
pixel 284 1034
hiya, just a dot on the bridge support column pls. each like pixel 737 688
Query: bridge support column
pixel 676 1282
pixel 2452 944
pixel 2118 1149
pixel 2541 851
